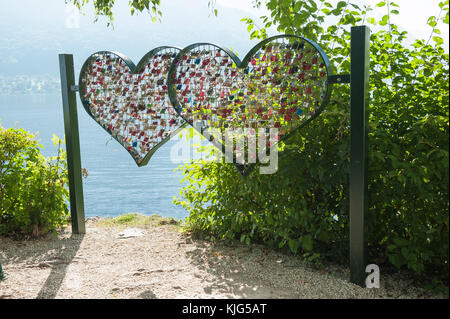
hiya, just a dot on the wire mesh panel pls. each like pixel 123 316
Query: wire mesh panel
pixel 281 83
pixel 130 102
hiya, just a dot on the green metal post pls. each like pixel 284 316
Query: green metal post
pixel 69 100
pixel 2 275
pixel 359 91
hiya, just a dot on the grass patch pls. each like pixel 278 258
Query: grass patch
pixel 136 220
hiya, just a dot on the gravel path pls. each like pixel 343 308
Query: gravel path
pixel 161 262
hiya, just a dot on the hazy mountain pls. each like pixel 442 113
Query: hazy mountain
pixel 33 33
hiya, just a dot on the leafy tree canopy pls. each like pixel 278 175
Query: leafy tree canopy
pixel 105 8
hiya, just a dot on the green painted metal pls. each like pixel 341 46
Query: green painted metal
pixel 359 112
pixel 2 274
pixel 339 78
pixel 72 142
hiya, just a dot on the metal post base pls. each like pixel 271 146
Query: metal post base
pixel 2 274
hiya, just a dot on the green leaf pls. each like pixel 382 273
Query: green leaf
pixel 341 4
pixel 294 245
pixel 384 20
pixel 371 21
pixel 307 242
pixel 438 40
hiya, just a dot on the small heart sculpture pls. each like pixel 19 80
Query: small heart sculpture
pixel 281 83
pixel 130 102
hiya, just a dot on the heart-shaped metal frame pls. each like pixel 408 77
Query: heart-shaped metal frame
pixel 172 89
pixel 134 70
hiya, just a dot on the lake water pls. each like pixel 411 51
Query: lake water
pixel 115 184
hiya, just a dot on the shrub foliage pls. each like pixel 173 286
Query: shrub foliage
pixel 33 189
pixel 304 206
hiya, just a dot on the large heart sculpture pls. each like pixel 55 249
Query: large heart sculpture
pixel 130 102
pixel 281 83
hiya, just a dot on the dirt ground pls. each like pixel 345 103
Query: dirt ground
pixel 162 262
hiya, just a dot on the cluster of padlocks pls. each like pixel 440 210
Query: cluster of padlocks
pixel 281 83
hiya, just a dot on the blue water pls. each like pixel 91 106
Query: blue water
pixel 115 184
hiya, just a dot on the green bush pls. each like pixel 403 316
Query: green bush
pixel 33 189
pixel 304 206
